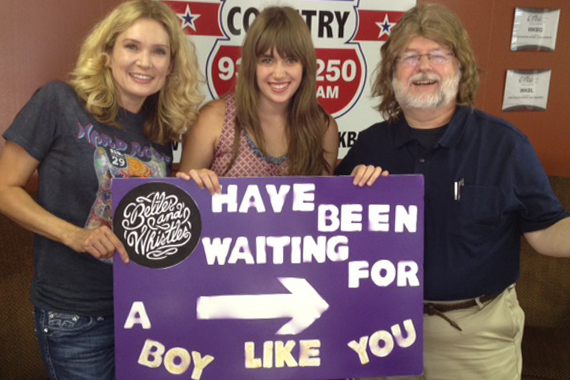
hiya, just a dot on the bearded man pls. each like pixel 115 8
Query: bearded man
pixel 484 188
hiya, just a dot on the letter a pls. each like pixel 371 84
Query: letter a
pixel 137 315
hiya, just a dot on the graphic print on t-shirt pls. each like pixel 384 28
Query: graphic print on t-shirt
pixel 114 158
pixel 110 163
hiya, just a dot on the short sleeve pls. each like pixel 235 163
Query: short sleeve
pixel 34 127
pixel 538 206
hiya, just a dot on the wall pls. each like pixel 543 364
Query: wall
pixel 490 24
pixel 39 41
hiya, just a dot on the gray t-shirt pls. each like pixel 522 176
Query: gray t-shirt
pixel 78 158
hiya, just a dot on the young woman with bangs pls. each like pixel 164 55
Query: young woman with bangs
pixel 272 125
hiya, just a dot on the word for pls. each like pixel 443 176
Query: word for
pixel 381 343
pixel 383 273
pixel 279 354
pixel 177 360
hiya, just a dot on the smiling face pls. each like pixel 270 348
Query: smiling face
pixel 432 83
pixel 140 62
pixel 278 78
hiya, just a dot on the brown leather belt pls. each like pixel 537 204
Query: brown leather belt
pixel 438 309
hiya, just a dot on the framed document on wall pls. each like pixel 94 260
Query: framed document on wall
pixel 535 29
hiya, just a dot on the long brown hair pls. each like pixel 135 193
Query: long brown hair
pixel 282 29
pixel 439 24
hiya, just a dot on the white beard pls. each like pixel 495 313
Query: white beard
pixel 447 92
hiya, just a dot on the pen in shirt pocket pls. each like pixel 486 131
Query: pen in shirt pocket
pixel 457 185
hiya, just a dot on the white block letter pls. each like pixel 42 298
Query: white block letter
pixel 137 315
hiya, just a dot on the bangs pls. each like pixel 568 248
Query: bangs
pixel 282 37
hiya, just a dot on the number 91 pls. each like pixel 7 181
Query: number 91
pixel 228 69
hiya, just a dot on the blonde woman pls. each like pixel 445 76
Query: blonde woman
pixel 132 94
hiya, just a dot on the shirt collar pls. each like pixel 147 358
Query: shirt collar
pixel 456 128
pixel 451 136
pixel 402 134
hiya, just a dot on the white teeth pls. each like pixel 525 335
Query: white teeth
pixel 141 76
pixel 279 86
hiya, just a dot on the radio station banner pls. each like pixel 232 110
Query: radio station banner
pixel 347 35
pixel 275 279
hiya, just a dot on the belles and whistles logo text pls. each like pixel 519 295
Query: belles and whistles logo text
pixel 159 224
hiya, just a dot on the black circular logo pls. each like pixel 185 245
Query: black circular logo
pixel 159 224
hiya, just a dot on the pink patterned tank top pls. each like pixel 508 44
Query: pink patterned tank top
pixel 250 161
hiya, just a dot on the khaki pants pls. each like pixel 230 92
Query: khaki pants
pixel 488 348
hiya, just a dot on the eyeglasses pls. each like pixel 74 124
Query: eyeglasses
pixel 436 59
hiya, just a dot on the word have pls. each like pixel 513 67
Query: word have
pixel 177 360
pixel 303 198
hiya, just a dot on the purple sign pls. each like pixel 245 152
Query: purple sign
pixel 275 278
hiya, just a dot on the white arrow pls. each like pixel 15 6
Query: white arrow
pixel 303 305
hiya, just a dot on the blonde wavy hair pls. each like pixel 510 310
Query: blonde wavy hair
pixel 168 112
pixel 283 30
pixel 439 24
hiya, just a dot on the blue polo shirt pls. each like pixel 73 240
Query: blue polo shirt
pixel 484 186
